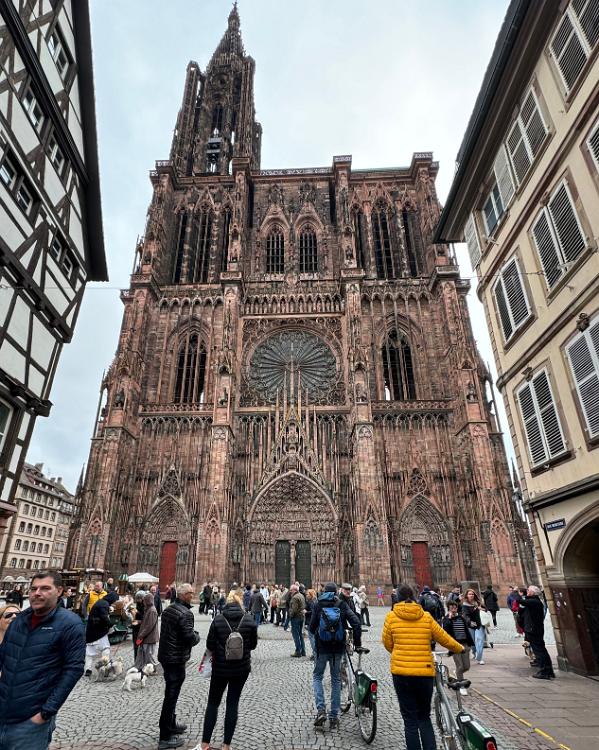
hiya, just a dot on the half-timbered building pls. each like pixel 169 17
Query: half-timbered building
pixel 51 240
pixel 297 393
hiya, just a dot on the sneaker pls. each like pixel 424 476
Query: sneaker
pixel 541 676
pixel 333 722
pixel 170 743
pixel 463 691
pixel 481 662
pixel 296 655
pixel 320 719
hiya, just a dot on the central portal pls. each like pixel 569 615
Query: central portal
pixel 292 533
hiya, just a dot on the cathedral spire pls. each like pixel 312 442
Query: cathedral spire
pixel 231 45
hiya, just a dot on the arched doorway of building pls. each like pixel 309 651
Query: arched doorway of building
pixel 165 543
pixel 424 542
pixel 292 533
pixel 577 603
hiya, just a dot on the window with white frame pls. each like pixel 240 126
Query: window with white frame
pixel 5 415
pixel 13 562
pixel 56 155
pixel 558 235
pixel 33 109
pixel 511 300
pixel 526 136
pixel 593 144
pixel 575 37
pixel 583 354
pixel 542 426
pixel 472 241
pixel 8 173
pixel 492 209
pixel 58 51
pixel 17 544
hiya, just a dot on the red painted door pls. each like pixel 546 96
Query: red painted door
pixel 168 564
pixel 422 564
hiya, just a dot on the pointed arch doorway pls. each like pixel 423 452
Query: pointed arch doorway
pixel 292 533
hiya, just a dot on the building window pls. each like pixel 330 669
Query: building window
pixel 575 37
pixel 50 533
pixel 180 247
pixel 593 144
pixel 58 51
pixel 398 369
pixel 28 564
pixel 382 243
pixel 492 209
pixel 558 235
pixel 13 177
pixel 8 173
pixel 36 564
pixel 29 528
pixel 191 372
pixel 22 527
pixel 17 544
pixel 24 197
pixel 36 530
pixel 56 155
pixel 359 234
pixel 217 119
pixel 526 136
pixel 46 548
pixel 199 262
pixel 46 514
pixel 224 247
pixel 308 261
pixel 26 545
pixel 53 516
pixel 544 434
pixel 5 414
pixel 21 563
pixel 511 300
pixel 13 562
pixel 413 240
pixel 26 509
pixel 472 241
pixel 583 355
pixel 33 109
pixel 275 251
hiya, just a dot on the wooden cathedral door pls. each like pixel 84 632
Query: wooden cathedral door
pixel 422 564
pixel 168 564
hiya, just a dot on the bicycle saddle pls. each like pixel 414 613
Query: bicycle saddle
pixel 458 684
pixel 362 650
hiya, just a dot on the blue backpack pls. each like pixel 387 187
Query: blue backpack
pixel 330 626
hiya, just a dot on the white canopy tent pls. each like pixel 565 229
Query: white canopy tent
pixel 143 578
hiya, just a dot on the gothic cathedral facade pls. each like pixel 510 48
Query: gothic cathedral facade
pixel 296 393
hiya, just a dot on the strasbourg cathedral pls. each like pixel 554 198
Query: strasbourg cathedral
pixel 296 393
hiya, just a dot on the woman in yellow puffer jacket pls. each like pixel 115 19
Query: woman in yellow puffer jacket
pixel 407 635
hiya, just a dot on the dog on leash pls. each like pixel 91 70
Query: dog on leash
pixel 134 676
pixel 106 669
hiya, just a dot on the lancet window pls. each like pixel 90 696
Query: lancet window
pixel 398 368
pixel 217 119
pixel 190 376
pixel 199 260
pixel 413 241
pixel 360 234
pixel 383 250
pixel 180 248
pixel 308 254
pixel 224 245
pixel 275 251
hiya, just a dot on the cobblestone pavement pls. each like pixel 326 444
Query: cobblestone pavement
pixel 276 710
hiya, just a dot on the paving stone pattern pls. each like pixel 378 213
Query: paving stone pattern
pixel 276 710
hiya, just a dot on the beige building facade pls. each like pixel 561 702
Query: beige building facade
pixel 526 200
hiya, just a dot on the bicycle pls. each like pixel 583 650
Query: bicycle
pixel 460 731
pixel 361 689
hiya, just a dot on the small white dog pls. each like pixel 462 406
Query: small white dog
pixel 134 675
pixel 106 669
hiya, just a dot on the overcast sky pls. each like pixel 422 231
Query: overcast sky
pixel 378 79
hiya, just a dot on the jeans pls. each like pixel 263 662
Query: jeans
pixel 414 695
pixel 478 634
pixel 334 662
pixel 285 618
pixel 257 619
pixel 542 657
pixel 174 676
pixel 365 616
pixel 312 639
pixel 26 734
pixel 215 696
pixel 297 626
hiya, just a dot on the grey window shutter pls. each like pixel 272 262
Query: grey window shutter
pixel 583 354
pixel 550 423
pixel 534 125
pixel 532 427
pixel 566 224
pixel 593 144
pixel 587 12
pixel 569 52
pixel 471 237
pixel 547 248
pixel 503 175
pixel 518 150
pixel 515 293
pixel 502 308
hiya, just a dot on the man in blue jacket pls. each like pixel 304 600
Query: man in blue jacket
pixel 41 660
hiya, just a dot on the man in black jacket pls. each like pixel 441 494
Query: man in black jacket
pixel 177 638
pixel 491 603
pixel 531 615
pixel 331 652
pixel 96 631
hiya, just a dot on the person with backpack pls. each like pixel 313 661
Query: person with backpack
pixel 297 606
pixel 491 603
pixel 431 602
pixel 407 635
pixel 331 617
pixel 257 605
pixel 233 635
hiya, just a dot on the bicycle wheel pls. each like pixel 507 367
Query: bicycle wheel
pixel 367 720
pixel 347 685
pixel 445 725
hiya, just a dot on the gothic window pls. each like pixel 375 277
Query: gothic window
pixel 308 251
pixel 275 251
pixel 412 237
pixel 217 119
pixel 191 371
pixel 224 245
pixel 180 247
pixel 359 234
pixel 199 260
pixel 382 243
pixel 398 369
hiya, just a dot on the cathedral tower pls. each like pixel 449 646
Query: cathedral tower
pixel 296 393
